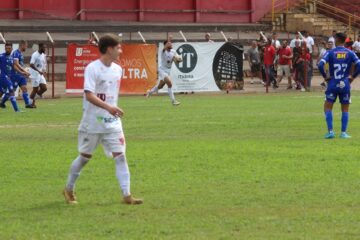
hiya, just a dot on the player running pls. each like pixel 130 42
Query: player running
pixel 101 122
pixel 18 77
pixel 168 56
pixel 340 61
pixel 6 69
pixel 37 71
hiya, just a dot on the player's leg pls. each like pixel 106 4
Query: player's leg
pixel 21 80
pixel 11 94
pixel 43 88
pixel 158 86
pixel 115 143
pixel 35 82
pixel 345 100
pixel 328 106
pixel 168 82
pixel 86 145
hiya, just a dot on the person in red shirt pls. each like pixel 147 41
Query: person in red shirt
pixel 285 63
pixel 269 56
pixel 304 62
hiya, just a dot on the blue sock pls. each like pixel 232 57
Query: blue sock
pixel 13 103
pixel 5 98
pixel 344 121
pixel 25 96
pixel 329 120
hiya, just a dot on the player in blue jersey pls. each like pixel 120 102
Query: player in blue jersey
pixel 19 77
pixel 6 68
pixel 340 61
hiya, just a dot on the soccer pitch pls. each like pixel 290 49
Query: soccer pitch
pixel 216 167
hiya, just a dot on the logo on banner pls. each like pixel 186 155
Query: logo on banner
pixel 189 56
pixel 79 52
pixel 228 63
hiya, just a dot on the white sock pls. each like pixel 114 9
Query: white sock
pixel 123 174
pixel 153 90
pixel 171 94
pixel 75 170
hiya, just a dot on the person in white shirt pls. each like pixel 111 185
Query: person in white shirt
pixel 293 42
pixel 309 42
pixel 356 46
pixel 101 123
pixel 208 38
pixel 332 39
pixel 168 56
pixel 274 41
pixel 37 73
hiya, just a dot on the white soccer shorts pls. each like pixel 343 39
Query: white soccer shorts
pixel 37 80
pixel 163 74
pixel 111 142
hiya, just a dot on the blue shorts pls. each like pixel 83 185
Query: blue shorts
pixel 18 80
pixel 6 85
pixel 339 89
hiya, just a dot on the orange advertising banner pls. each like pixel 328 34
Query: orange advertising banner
pixel 137 60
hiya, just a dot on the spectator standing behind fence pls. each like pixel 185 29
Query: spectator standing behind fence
pixel 274 41
pixel 208 38
pixel 296 63
pixel 261 48
pixel 310 48
pixel 332 39
pixel 284 64
pixel 304 64
pixel 253 57
pixel 269 56
pixel 356 46
pixel 326 47
pixel 297 38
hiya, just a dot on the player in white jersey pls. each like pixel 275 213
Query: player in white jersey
pixel 101 123
pixel 37 72
pixel 168 56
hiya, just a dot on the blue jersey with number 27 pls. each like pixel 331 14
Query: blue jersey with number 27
pixel 340 60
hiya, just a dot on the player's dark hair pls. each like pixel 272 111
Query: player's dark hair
pixel 8 44
pixel 108 40
pixel 41 45
pixel 341 37
pixel 165 42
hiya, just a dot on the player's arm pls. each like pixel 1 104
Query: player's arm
pixel 113 110
pixel 19 68
pixel 321 66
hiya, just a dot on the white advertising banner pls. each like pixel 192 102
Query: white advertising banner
pixel 195 72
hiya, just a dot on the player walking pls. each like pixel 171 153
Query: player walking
pixel 340 61
pixel 168 56
pixel 37 71
pixel 18 78
pixel 6 69
pixel 101 122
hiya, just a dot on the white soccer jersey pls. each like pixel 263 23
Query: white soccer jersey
pixel 167 58
pixel 39 60
pixel 104 82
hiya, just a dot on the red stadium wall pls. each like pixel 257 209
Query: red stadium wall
pixel 237 11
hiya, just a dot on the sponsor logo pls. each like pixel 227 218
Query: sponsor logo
pixel 189 56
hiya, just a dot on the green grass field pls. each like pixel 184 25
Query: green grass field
pixel 217 167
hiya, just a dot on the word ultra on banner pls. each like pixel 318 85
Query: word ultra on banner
pixel 137 60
